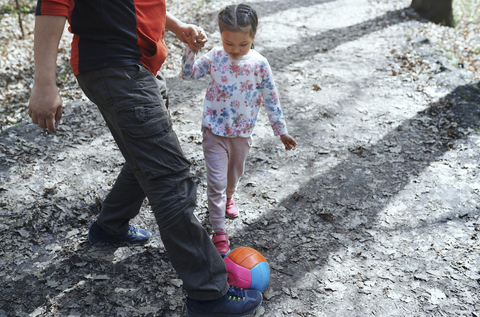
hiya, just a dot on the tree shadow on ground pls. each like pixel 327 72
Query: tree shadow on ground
pixel 341 200
pixel 332 38
pixel 348 198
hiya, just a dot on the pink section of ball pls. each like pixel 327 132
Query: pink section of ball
pixel 237 275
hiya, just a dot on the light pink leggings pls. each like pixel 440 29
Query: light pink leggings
pixel 225 160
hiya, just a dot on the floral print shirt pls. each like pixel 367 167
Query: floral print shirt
pixel 234 95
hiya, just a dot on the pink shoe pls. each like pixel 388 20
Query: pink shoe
pixel 232 210
pixel 220 240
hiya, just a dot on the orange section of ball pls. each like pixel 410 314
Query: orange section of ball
pixel 246 257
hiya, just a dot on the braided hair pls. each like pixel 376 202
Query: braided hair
pixel 238 18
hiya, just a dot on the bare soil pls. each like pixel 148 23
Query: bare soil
pixel 375 214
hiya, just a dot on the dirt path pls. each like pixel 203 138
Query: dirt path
pixel 375 214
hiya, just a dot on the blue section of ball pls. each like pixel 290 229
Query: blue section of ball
pixel 260 276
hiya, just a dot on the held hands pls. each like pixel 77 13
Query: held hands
pixel 194 37
pixel 289 142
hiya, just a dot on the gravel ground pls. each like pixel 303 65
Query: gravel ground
pixel 375 214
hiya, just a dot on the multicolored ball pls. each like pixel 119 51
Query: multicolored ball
pixel 247 268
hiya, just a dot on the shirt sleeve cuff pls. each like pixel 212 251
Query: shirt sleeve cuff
pixel 53 7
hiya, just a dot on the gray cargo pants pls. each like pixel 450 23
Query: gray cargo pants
pixel 132 102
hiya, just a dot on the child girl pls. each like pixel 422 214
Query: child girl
pixel 241 79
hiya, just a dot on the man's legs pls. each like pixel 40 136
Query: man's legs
pixel 131 103
pixel 122 203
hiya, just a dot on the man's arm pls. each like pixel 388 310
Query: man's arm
pixel 45 106
pixel 187 33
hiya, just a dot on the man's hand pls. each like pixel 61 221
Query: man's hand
pixel 189 34
pixel 45 106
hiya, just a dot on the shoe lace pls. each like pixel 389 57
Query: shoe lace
pixel 235 293
pixel 132 229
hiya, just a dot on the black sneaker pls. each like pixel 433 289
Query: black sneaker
pixel 237 302
pixel 134 236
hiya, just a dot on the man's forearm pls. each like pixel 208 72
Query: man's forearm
pixel 48 32
pixel 172 23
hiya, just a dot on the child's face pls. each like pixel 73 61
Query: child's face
pixel 237 44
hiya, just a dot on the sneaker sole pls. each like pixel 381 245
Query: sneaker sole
pixel 103 244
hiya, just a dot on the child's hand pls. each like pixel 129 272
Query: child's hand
pixel 202 36
pixel 289 142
